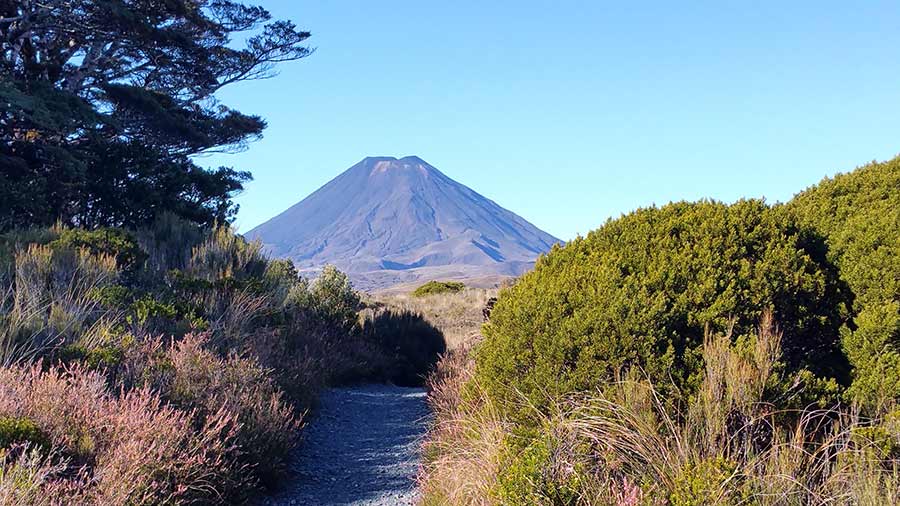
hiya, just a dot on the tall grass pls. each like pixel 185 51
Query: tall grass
pixel 50 299
pixel 463 452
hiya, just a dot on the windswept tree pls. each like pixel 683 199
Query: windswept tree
pixel 105 103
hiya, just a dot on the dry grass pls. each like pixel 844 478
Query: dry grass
pixel 457 315
pixel 463 450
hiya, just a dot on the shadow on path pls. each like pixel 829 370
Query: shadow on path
pixel 361 449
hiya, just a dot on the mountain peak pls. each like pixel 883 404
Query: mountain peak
pixel 405 159
pixel 388 220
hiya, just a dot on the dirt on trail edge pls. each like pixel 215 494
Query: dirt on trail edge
pixel 361 448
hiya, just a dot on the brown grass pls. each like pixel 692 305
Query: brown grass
pixel 463 450
pixel 457 315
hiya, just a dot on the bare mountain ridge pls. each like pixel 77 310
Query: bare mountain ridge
pixel 387 220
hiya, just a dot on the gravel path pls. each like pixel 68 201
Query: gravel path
pixel 360 449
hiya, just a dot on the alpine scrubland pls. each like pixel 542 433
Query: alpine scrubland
pixel 694 353
pixel 170 364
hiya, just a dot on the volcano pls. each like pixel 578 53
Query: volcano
pixel 387 221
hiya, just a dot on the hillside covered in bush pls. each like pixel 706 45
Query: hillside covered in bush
pixel 694 353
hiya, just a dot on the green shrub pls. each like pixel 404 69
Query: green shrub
pixel 704 482
pixel 859 214
pixel 19 430
pixel 438 287
pixel 539 473
pixel 644 289
pixel 333 298
pixel 106 355
pixel 113 242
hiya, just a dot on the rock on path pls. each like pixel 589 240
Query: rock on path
pixel 361 449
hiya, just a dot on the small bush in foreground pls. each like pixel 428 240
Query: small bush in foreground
pixel 437 288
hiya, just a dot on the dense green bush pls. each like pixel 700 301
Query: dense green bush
pixel 438 287
pixel 114 242
pixel 20 430
pixel 644 289
pixel 859 214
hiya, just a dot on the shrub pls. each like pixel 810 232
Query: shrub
pixel 197 379
pixel 334 298
pixel 410 345
pixel 644 289
pixel 135 449
pixel 112 242
pixel 20 430
pixel 438 287
pixel 859 214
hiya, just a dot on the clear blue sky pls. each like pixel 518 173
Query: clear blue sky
pixel 567 112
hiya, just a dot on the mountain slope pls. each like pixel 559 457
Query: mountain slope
pixel 388 220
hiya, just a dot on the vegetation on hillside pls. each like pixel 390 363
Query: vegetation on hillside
pixel 437 288
pixel 691 354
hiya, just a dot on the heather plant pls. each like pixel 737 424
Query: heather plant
pixel 195 378
pixel 130 449
pixel 644 289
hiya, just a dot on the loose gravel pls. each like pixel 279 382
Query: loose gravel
pixel 360 449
